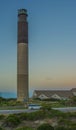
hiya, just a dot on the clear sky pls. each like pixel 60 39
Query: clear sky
pixel 52 43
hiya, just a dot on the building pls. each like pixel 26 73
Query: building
pixel 54 94
pixel 73 90
pixel 22 56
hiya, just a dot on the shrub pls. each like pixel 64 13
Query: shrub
pixel 51 99
pixel 45 127
pixel 12 121
pixel 72 128
pixel 55 113
pixel 46 107
pixel 2 117
pixel 72 114
pixel 25 128
pixel 33 115
pixel 61 128
pixel 65 122
pixel 1 128
pixel 23 116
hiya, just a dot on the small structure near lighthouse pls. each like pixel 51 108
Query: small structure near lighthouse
pixel 22 56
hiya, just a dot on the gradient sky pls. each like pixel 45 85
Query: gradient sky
pixel 52 43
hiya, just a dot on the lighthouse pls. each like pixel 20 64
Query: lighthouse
pixel 22 56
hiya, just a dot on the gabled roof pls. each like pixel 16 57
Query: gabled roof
pixel 49 93
pixel 73 89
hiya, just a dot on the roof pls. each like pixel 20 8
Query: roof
pixel 73 89
pixel 49 93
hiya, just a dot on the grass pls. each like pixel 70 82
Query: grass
pixel 62 119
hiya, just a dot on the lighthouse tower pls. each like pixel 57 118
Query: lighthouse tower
pixel 22 56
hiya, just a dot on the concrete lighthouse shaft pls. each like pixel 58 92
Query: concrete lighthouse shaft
pixel 22 56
